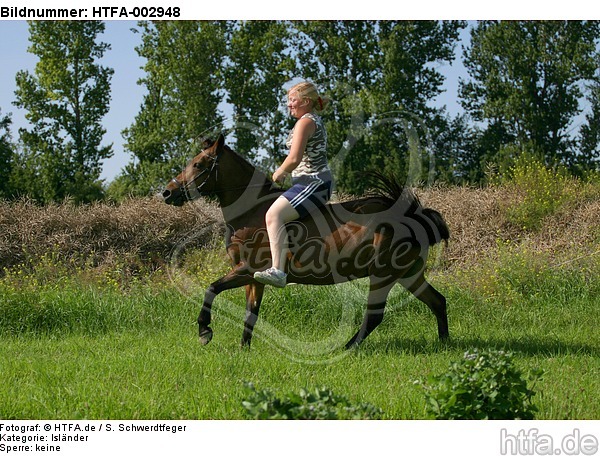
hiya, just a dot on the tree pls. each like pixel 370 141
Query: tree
pixel 184 62
pixel 411 54
pixel 526 79
pixel 66 100
pixel 6 156
pixel 381 76
pixel 339 56
pixel 589 141
pixel 457 155
pixel 259 63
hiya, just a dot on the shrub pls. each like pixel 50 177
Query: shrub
pixel 319 404
pixel 484 385
pixel 543 192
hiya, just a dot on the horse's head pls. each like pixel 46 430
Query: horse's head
pixel 198 178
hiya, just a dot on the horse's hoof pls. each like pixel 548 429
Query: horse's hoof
pixel 206 336
pixel 245 344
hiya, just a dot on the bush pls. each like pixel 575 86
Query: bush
pixel 484 385
pixel 320 404
pixel 543 192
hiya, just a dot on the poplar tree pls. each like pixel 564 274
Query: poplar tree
pixel 184 89
pixel 6 155
pixel 526 80
pixel 589 157
pixel 66 99
pixel 381 76
pixel 259 64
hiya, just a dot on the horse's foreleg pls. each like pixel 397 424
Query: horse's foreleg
pixel 378 293
pixel 434 299
pixel 232 280
pixel 254 294
pixel 205 332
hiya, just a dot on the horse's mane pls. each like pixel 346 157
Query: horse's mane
pixel 243 160
pixel 383 186
pixel 251 169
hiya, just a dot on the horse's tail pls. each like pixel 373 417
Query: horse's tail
pixel 388 187
pixel 443 232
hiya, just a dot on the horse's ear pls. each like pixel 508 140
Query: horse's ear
pixel 207 143
pixel 220 141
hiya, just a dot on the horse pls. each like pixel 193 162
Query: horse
pixel 384 236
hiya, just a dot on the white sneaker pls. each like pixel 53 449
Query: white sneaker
pixel 271 276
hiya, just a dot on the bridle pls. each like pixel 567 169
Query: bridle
pixel 208 171
pixel 185 188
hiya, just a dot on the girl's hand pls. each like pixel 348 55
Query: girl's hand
pixel 279 175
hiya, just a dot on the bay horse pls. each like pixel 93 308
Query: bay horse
pixel 385 237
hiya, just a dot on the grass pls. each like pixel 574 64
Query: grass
pixel 99 351
pixel 98 307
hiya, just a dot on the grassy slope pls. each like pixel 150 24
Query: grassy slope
pixel 154 368
pixel 98 342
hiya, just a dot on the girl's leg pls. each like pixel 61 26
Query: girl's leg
pixel 280 213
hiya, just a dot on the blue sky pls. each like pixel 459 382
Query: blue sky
pixel 127 95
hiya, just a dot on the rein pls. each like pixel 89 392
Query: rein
pixel 215 162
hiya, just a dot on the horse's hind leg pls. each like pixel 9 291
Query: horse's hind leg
pixel 254 294
pixel 378 293
pixel 434 299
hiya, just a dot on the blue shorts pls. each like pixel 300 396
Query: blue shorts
pixel 309 192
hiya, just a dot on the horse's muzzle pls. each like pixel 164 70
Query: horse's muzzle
pixel 173 197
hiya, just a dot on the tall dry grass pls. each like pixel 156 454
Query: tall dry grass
pixel 141 231
pixel 145 231
pixel 479 219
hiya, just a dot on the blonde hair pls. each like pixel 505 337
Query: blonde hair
pixel 307 90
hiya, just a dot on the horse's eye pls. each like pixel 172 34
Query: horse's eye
pixel 197 165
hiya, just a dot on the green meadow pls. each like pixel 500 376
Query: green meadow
pixel 112 334
pixel 75 349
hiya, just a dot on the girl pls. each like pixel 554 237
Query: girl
pixel 311 176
